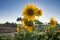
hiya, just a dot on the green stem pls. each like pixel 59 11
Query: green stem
pixel 38 17
pixel 50 28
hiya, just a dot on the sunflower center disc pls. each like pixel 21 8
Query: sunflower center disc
pixel 30 12
pixel 52 22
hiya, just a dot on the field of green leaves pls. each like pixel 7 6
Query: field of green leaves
pixel 32 36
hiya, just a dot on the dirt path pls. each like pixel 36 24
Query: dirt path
pixel 13 36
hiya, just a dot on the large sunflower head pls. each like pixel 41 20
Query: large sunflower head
pixel 39 12
pixel 52 22
pixel 29 11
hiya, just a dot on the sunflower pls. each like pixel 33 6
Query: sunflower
pixel 23 21
pixel 29 11
pixel 23 24
pixel 39 12
pixel 29 28
pixel 18 28
pixel 27 25
pixel 52 22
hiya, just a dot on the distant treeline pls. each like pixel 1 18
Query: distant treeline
pixel 7 24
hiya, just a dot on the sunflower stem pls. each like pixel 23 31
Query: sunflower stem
pixel 38 18
pixel 37 26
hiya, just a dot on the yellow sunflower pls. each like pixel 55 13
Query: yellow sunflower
pixel 29 28
pixel 27 25
pixel 29 11
pixel 23 24
pixel 52 22
pixel 23 21
pixel 18 28
pixel 39 12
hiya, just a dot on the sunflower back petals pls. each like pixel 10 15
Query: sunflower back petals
pixel 39 12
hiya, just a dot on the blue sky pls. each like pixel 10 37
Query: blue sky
pixel 10 10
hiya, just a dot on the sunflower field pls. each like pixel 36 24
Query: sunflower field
pixel 31 28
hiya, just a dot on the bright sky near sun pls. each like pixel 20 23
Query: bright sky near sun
pixel 10 10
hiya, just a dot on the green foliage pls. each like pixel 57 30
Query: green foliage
pixel 19 36
pixel 37 22
pixel 33 36
pixel 29 23
pixel 5 37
